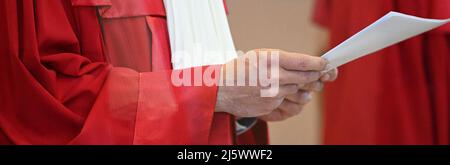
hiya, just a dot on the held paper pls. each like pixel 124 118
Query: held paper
pixel 390 29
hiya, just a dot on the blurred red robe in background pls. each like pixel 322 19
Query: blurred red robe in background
pixel 400 95
pixel 67 79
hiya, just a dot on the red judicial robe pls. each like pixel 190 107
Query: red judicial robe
pixel 67 79
pixel 401 94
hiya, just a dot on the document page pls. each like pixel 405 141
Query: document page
pixel 392 28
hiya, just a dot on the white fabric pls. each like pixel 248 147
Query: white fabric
pixel 199 33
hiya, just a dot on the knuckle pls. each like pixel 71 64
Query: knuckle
pixel 302 63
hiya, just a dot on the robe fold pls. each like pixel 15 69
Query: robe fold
pixel 65 80
pixel 400 95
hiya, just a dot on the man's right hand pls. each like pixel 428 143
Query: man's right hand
pixel 295 71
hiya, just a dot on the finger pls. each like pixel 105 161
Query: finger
pixel 301 97
pixel 289 108
pixel 301 62
pixel 286 90
pixel 298 77
pixel 273 116
pixel 330 76
pixel 286 110
pixel 334 74
pixel 314 86
pixel 326 77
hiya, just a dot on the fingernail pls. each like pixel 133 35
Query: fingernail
pixel 307 96
pixel 326 77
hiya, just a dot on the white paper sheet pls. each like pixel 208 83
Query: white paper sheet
pixel 390 29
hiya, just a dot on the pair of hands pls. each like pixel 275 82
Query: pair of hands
pixel 299 75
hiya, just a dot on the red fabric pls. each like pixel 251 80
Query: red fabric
pixel 401 94
pixel 258 135
pixel 60 87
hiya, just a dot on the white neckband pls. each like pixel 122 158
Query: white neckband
pixel 199 33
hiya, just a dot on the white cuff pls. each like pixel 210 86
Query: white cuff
pixel 245 124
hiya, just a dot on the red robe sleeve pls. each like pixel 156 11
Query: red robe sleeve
pixel 55 90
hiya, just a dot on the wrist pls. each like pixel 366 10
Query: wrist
pixel 220 107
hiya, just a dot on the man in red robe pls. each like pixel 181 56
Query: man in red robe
pixel 99 72
pixel 401 95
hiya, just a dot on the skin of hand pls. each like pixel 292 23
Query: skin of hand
pixel 293 104
pixel 299 74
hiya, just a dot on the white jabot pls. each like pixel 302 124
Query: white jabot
pixel 199 33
